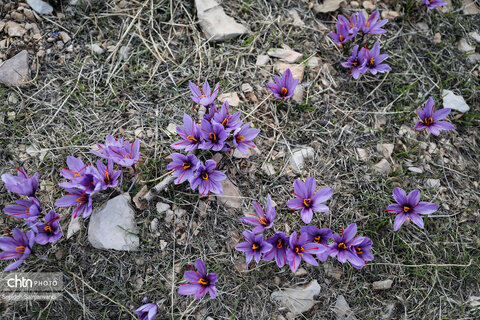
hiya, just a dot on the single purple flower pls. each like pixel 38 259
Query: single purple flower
pixel 25 209
pixel 374 59
pixel 207 178
pixel 342 35
pixel 22 183
pixel 89 182
pixel 243 136
pixel 214 136
pixel 300 249
pixel 110 141
pixel 431 121
pixel 203 96
pixel 78 198
pixel 356 63
pixel 76 168
pixel 190 133
pixel 409 207
pixel 17 245
pixel 362 247
pixel 343 246
pixel 320 236
pixel 372 25
pixel 199 282
pixel 50 230
pixel 106 176
pixel 432 4
pixel 253 247
pixel 147 311
pixel 308 200
pixel 184 166
pixel 351 23
pixel 284 87
pixel 263 220
pixel 228 121
pixel 279 243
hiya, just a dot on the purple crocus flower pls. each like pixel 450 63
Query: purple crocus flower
pixel 342 35
pixel 253 247
pixel 320 236
pixel 431 121
pixel 374 59
pixel 432 4
pixel 362 247
pixel 21 183
pixel 356 62
pixel 229 122
pixel 212 110
pixel 284 87
pixel 279 243
pixel 263 220
pixel 243 136
pixel 343 247
pixel 110 141
pixel 214 136
pixel 300 249
pixel 207 178
pixel 50 230
pixel 107 178
pixel 308 200
pixel 199 282
pixel 409 207
pixel 76 168
pixel 17 245
pixel 372 25
pixel 120 151
pixel 89 182
pixel 203 96
pixel 190 133
pixel 148 311
pixel 184 166
pixel 25 209
pixel 78 198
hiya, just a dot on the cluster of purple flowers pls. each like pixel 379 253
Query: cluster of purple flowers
pixel 85 181
pixel 364 59
pixel 44 227
pixel 310 241
pixel 218 131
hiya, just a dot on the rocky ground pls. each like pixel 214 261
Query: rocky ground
pixel 78 70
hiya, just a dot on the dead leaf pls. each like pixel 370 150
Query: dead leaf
pixel 299 299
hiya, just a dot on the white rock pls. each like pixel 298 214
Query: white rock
pixel 162 207
pixel 15 71
pixel 231 97
pixel 382 285
pixel 473 58
pixel 342 309
pixel 383 167
pixel 368 5
pixel 36 152
pixel 64 36
pixel 313 62
pixel 268 169
pixel 40 6
pixel 154 225
pixel 385 149
pixel 96 48
pixel 215 23
pixel 14 29
pixel 251 151
pixel 73 227
pixel 327 6
pixel 454 102
pixel 298 94
pixel 437 38
pixel 470 8
pixel 299 299
pixel 388 14
pixel 297 69
pixel 124 52
pixel 231 196
pixel 286 55
pixel 297 160
pixel 464 46
pixel 433 183
pixel 415 169
pixel 113 225
pixel 301 272
pixel 362 153
pixel 246 87
pixel 262 60
pixel 297 21
pixel 475 36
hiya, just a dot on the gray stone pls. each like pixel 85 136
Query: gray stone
pixel 73 227
pixel 268 169
pixel 433 183
pixel 231 196
pixel 385 149
pixel 96 48
pixel 297 300
pixel 382 285
pixel 297 69
pixel 14 29
pixel 342 309
pixel 297 21
pixel 231 97
pixel 262 60
pixel 464 46
pixel 470 8
pixel 297 160
pixel 454 102
pixel 327 6
pixel 113 225
pixel 15 71
pixel 415 169
pixel 383 167
pixel 475 36
pixel 40 6
pixel 286 55
pixel 298 94
pixel 162 207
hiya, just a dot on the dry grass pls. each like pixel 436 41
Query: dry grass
pixel 78 98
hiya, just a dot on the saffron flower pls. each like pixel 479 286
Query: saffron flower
pixel 207 178
pixel 356 62
pixel 374 59
pixel 199 282
pixel 88 182
pixel 279 243
pixel 409 207
pixel 263 220
pixel 120 151
pixel 17 245
pixel 21 183
pixel 351 23
pixel 362 247
pixel 50 230
pixel 229 122
pixel 342 35
pixel 25 209
pixel 148 311
pixel 203 96
pixel 320 236
pixel 76 168
pixel 243 136
pixel 432 4
pixel 308 200
pixel 343 247
pixel 214 136
pixel 184 166
pixel 190 134
pixel 253 247
pixel 431 121
pixel 300 249
pixel 284 87
pixel 372 25
pixel 78 198
pixel 106 177
pixel 212 110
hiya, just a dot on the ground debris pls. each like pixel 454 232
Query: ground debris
pixel 298 299
pixel 342 309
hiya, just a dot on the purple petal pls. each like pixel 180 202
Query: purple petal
pixel 395 208
pixel 399 220
pixel 309 259
pixel 349 232
pixel 307 215
pixel 400 195
pixel 413 198
pixel 192 276
pixel 426 208
pixel 444 125
pixel 323 195
pixel 187 289
pixel 441 114
pixel 416 219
